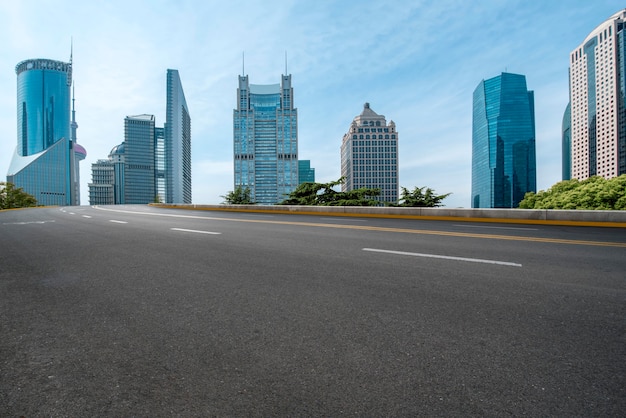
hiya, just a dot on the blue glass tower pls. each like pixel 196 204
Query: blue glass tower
pixel 265 131
pixel 177 167
pixel 306 174
pixel 44 162
pixel 503 142
pixel 139 178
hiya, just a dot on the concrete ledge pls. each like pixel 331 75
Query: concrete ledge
pixel 603 218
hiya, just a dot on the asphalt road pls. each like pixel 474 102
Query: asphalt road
pixel 138 311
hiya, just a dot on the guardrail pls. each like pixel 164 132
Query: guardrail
pixel 603 218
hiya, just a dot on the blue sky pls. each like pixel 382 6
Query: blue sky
pixel 416 62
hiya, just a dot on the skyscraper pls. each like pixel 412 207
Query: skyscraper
pixel 597 89
pixel 139 179
pixel 177 142
pixel 265 132
pixel 45 161
pixel 152 163
pixel 369 155
pixel 306 174
pixel 503 142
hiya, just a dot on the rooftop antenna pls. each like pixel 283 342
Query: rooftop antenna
pixel 243 63
pixel 286 62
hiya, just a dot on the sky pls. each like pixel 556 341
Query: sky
pixel 417 62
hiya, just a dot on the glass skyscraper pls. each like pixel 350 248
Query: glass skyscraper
pixel 369 155
pixel 177 143
pixel 153 163
pixel 46 157
pixel 503 142
pixel 265 133
pixel 597 75
pixel 139 178
pixel 306 174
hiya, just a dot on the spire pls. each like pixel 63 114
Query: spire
pixel 286 63
pixel 243 63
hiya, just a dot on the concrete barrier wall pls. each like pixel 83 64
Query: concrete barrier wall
pixel 607 218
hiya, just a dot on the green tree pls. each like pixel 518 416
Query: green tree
pixel 594 193
pixel 324 194
pixel 239 196
pixel 420 198
pixel 14 197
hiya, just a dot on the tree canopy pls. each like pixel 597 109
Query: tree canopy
pixel 14 197
pixel 239 196
pixel 420 198
pixel 593 193
pixel 323 194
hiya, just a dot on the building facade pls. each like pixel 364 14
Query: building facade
pixel 566 144
pixel 369 155
pixel 107 179
pixel 45 162
pixel 177 143
pixel 306 174
pixel 139 178
pixel 597 88
pixel 265 140
pixel 503 142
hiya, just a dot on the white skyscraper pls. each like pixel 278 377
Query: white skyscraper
pixel 597 89
pixel 369 155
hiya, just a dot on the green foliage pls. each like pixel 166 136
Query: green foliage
pixel 239 196
pixel 420 198
pixel 323 194
pixel 594 193
pixel 12 197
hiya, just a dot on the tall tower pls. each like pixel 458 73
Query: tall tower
pixel 503 142
pixel 44 161
pixel 597 90
pixel 369 155
pixel 177 143
pixel 265 132
pixel 139 179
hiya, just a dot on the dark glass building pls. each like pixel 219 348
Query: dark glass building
pixel 306 174
pixel 503 142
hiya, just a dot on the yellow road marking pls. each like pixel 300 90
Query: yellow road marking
pixel 395 230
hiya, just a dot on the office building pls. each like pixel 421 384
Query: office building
pixel 306 174
pixel 177 143
pixel 503 142
pixel 45 161
pixel 597 86
pixel 369 155
pixel 153 163
pixel 566 144
pixel 265 132
pixel 139 181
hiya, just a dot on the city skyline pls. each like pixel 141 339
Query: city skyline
pixel 420 64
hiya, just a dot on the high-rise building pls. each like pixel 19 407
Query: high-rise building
pixel 503 142
pixel 597 89
pixel 45 162
pixel 306 174
pixel 107 179
pixel 265 132
pixel 566 144
pixel 177 143
pixel 139 178
pixel 369 155
pixel 159 164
